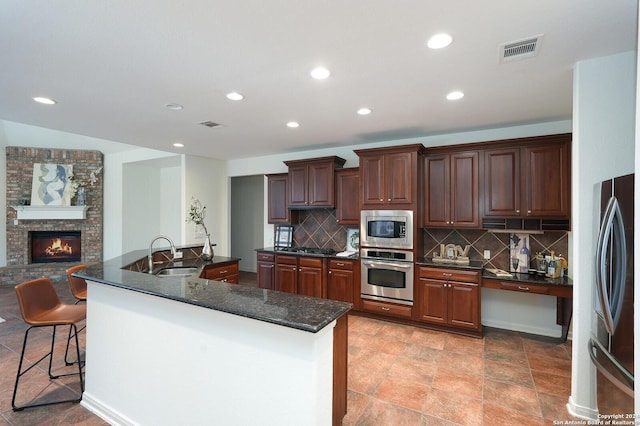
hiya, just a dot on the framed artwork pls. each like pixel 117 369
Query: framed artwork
pixel 51 185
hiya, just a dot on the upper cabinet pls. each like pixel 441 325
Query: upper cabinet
pixel 347 196
pixel 451 190
pixel 528 178
pixel 277 192
pixel 311 182
pixel 389 176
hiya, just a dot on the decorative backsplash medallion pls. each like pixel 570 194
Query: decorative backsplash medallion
pixel 319 228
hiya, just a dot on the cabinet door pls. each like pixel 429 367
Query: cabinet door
pixel 464 203
pixel 372 174
pixel 502 182
pixel 433 301
pixel 277 198
pixel 399 172
pixel 546 169
pixel 298 186
pixel 266 272
pixel 340 285
pixel 436 197
pixel 286 278
pixel 464 305
pixel 347 196
pixel 320 185
pixel 310 281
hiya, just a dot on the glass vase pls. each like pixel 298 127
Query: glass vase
pixel 207 249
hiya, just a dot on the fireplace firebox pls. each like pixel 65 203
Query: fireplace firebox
pixel 55 246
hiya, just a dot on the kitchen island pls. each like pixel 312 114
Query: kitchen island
pixel 186 350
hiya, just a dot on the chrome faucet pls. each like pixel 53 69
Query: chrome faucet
pixel 150 257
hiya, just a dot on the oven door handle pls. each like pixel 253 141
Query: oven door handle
pixel 383 264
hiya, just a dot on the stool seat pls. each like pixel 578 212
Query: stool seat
pixel 60 315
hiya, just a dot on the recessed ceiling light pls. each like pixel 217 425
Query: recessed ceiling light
pixel 454 96
pixel 293 124
pixel 43 100
pixel 178 145
pixel 320 73
pixel 439 41
pixel 364 111
pixel 235 96
pixel 175 107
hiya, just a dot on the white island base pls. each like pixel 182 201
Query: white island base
pixel 156 361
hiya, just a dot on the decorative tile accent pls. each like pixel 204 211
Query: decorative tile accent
pixel 497 243
pixel 320 228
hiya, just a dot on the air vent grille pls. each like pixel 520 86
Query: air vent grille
pixel 210 124
pixel 521 49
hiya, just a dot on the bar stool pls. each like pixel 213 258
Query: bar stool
pixel 78 288
pixel 40 306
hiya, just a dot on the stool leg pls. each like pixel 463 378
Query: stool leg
pixel 66 351
pixel 50 355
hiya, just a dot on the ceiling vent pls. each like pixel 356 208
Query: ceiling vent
pixel 210 124
pixel 521 49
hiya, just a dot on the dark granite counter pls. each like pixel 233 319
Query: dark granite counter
pixel 532 279
pixel 289 253
pixel 289 310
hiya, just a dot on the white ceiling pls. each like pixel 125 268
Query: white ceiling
pixel 113 65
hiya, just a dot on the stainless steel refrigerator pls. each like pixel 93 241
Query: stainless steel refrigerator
pixel 611 343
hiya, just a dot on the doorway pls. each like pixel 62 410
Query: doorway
pixel 247 219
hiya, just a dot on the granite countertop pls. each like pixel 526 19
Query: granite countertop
pixel 532 279
pixel 355 256
pixel 289 310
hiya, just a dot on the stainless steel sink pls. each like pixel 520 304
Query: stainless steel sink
pixel 179 271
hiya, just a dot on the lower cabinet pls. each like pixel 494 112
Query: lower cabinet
pixel 341 280
pixel 300 275
pixel 226 273
pixel 385 308
pixel 449 297
pixel 266 270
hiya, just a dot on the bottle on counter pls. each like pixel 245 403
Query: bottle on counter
pixel 552 266
pixel 525 257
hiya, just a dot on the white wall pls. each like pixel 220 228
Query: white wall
pixel 603 133
pixel 206 179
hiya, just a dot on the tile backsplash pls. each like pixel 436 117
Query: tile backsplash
pixel 497 243
pixel 319 228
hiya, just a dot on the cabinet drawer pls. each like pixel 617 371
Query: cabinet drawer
pixel 449 274
pixel 216 273
pixel 266 257
pixel 341 264
pixel 386 308
pixel 312 262
pixel 289 260
pixel 524 288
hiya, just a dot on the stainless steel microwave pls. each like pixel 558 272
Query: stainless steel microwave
pixel 386 229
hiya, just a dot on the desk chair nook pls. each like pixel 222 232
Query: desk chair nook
pixel 40 306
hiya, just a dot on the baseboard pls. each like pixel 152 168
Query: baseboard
pixel 580 411
pixel 524 328
pixel 104 412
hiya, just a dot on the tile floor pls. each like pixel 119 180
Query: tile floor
pixel 398 375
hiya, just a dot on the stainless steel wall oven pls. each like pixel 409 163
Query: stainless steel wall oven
pixel 387 275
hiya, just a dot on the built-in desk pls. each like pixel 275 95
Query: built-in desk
pixel 562 288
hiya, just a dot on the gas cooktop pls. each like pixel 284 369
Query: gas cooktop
pixel 308 250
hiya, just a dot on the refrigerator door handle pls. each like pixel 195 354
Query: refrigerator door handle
pixel 595 351
pixel 612 226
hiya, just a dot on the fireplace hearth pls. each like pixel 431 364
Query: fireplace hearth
pixel 55 246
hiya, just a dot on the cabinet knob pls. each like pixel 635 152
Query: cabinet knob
pixel 384 308
pixel 445 274
pixel 381 199
pixel 329 272
pixel 389 200
pixel 528 211
pixel 517 211
pixel 523 288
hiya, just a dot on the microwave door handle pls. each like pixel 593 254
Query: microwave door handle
pixel 620 271
pixel 394 265
pixel 604 237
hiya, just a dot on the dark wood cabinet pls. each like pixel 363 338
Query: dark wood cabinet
pixel 341 280
pixel 311 182
pixel 301 275
pixel 347 196
pixel 390 176
pixel 228 272
pixel 451 190
pixel 450 297
pixel 277 194
pixel 286 276
pixel 266 266
pixel 529 179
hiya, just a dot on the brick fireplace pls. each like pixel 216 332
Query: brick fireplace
pixel 20 266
